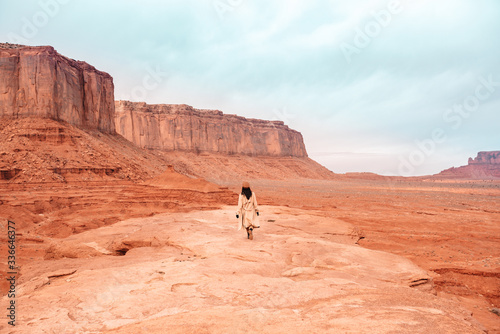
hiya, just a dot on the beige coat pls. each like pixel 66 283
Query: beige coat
pixel 247 210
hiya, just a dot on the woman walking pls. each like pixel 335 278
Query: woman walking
pixel 248 211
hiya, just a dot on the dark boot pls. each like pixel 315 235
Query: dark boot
pixel 250 234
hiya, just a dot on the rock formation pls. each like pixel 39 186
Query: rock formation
pixel 184 128
pixel 37 81
pixel 45 150
pixel 491 158
pixel 485 166
pixel 39 88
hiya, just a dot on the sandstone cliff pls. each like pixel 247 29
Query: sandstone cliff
pixel 37 81
pixel 184 128
pixel 485 166
pixel 491 158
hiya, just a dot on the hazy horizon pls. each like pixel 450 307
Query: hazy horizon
pixel 395 88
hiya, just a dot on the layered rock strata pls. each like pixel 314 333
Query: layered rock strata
pixel 183 128
pixel 485 166
pixel 38 81
pixel 490 158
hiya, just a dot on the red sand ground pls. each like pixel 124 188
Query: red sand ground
pixel 449 228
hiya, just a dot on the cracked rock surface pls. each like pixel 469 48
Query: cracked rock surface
pixel 194 272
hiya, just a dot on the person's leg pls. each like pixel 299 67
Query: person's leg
pixel 250 233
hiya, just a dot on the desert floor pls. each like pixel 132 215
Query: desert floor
pixel 342 256
pixel 449 228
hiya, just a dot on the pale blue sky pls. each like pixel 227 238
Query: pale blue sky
pixel 364 81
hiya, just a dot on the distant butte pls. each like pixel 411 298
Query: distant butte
pixel 488 158
pixel 485 166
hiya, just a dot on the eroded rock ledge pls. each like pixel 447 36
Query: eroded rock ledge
pixel 38 81
pixel 183 128
pixel 490 158
pixel 486 166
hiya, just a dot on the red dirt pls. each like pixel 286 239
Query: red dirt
pixel 451 229
pixel 64 181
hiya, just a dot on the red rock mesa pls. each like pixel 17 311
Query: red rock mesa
pixel 485 166
pixel 38 81
pixel 183 128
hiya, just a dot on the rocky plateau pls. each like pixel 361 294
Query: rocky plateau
pixel 38 81
pixel 183 128
pixel 485 166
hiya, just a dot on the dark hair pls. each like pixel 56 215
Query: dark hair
pixel 247 192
